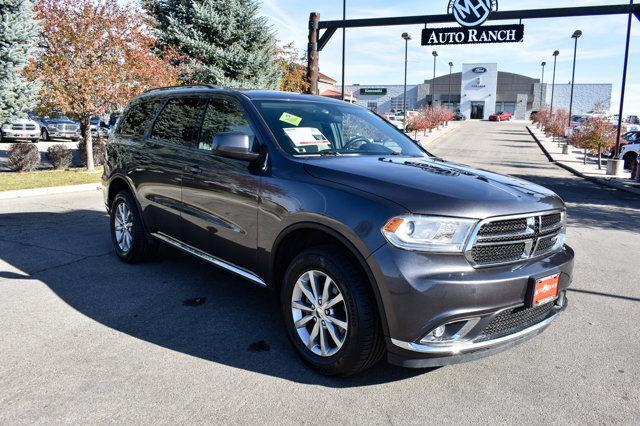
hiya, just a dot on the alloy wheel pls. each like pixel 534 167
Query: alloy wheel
pixel 319 313
pixel 122 227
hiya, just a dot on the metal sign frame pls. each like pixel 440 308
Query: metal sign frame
pixel 318 41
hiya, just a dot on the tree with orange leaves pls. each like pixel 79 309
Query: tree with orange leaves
pixel 596 134
pixel 95 55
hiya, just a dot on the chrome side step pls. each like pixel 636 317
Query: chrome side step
pixel 210 259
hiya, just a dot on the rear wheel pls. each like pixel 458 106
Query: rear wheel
pixel 330 313
pixel 628 159
pixel 130 241
pixel 44 135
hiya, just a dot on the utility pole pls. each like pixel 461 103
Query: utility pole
pixel 313 57
pixel 553 82
pixel 576 35
pixel 624 84
pixel 450 72
pixel 433 82
pixel 542 84
pixel 406 38
pixel 344 40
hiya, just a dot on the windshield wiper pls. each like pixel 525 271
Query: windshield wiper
pixel 330 153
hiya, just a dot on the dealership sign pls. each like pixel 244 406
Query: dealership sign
pixel 471 14
pixel 373 91
pixel 479 35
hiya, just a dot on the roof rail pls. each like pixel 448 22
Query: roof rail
pixel 185 86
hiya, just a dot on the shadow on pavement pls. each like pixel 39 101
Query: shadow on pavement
pixel 237 324
pixel 591 205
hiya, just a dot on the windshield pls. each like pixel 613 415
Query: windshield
pixel 319 128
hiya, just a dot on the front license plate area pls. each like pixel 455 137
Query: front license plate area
pixel 544 290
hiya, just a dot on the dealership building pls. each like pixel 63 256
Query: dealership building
pixel 478 91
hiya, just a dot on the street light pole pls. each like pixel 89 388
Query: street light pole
pixel 433 82
pixel 406 38
pixel 344 35
pixel 576 35
pixel 553 82
pixel 544 64
pixel 624 85
pixel 450 72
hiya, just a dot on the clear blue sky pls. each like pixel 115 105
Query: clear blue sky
pixel 375 55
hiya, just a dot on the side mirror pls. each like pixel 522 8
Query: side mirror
pixel 236 145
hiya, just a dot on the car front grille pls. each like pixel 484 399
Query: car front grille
pixel 30 127
pixel 70 128
pixel 514 320
pixel 17 127
pixel 505 240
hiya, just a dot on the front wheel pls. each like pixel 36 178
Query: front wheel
pixel 330 312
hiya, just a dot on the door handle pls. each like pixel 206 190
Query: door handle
pixel 195 170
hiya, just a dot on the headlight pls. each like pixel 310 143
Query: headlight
pixel 6 126
pixel 426 233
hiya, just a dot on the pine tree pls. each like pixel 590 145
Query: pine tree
pixel 222 42
pixel 18 32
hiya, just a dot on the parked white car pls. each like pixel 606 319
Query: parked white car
pixel 21 128
pixel 396 121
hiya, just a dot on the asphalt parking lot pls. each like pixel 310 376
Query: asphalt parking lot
pixel 86 339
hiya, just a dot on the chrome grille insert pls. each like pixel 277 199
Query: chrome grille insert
pixel 504 240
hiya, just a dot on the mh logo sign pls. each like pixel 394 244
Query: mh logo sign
pixel 471 13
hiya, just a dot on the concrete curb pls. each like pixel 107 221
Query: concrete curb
pixel 599 181
pixel 35 192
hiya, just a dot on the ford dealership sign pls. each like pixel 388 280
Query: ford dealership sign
pixel 479 70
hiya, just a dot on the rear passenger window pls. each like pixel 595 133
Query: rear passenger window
pixel 178 122
pixel 223 115
pixel 139 116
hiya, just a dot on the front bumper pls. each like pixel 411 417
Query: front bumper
pixel 8 134
pixel 64 135
pixel 417 355
pixel 420 292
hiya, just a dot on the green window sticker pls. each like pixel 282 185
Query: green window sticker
pixel 290 119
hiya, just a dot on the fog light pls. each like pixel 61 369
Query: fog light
pixel 450 333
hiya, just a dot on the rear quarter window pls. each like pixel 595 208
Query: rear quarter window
pixel 138 117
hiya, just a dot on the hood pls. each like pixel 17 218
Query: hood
pixel 436 187
pixel 60 121
pixel 21 121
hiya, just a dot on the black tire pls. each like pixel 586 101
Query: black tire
pixel 142 246
pixel 629 159
pixel 364 342
pixel 44 135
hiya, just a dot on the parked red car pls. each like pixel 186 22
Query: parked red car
pixel 501 116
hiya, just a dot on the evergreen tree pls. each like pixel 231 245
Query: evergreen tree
pixel 222 42
pixel 18 32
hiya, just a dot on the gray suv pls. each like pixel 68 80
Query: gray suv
pixel 375 246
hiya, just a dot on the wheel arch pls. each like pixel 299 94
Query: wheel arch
pixel 118 183
pixel 303 235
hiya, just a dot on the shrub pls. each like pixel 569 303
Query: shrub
pixel 59 156
pixel 24 157
pixel 98 151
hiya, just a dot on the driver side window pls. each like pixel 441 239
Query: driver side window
pixel 222 115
